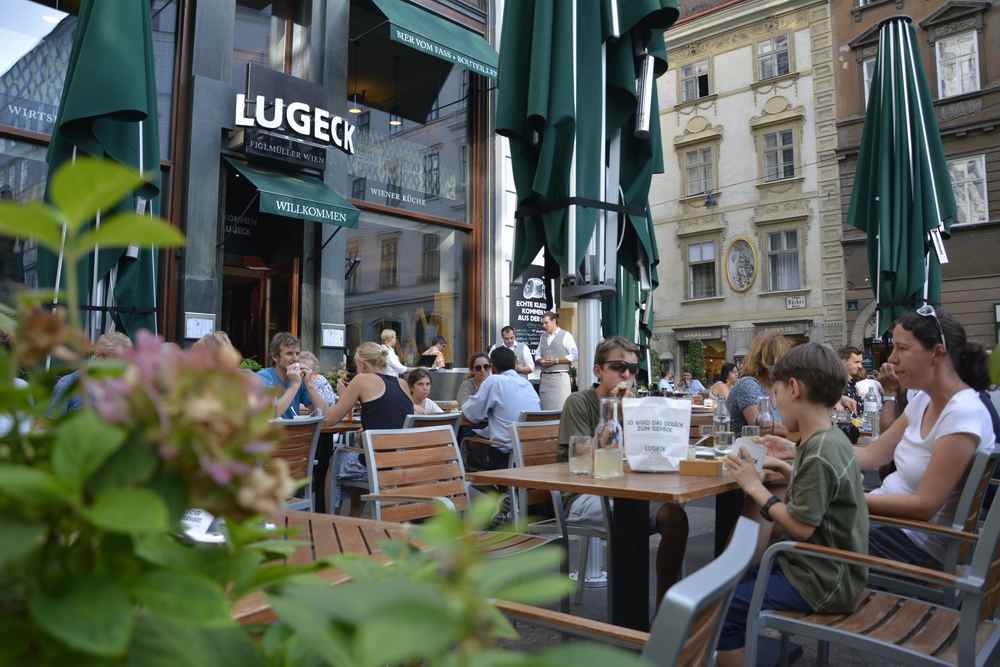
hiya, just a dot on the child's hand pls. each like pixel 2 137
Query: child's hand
pixel 739 464
pixel 776 470
pixel 779 448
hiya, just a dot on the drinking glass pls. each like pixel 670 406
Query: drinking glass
pixel 704 431
pixel 750 432
pixel 765 418
pixel 723 441
pixel 581 454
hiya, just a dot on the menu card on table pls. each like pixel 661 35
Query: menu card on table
pixel 657 431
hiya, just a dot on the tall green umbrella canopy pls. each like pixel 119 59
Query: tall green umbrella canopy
pixel 902 194
pixel 108 110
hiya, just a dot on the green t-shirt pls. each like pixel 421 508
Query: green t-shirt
pixel 580 415
pixel 826 492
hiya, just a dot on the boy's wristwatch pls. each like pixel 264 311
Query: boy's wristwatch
pixel 765 509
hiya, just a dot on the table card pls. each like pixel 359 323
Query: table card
pixel 657 431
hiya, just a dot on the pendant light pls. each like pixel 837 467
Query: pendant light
pixel 354 108
pixel 394 119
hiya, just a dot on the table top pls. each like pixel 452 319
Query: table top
pixel 661 486
pixel 342 427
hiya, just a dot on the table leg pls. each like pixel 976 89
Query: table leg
pixel 728 507
pixel 629 547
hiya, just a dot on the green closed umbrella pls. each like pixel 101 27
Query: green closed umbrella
pixel 108 110
pixel 902 195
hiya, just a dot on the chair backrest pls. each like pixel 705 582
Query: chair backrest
pixel 689 620
pixel 440 419
pixel 532 444
pixel 299 438
pixel 539 415
pixel 985 566
pixel 424 462
pixel 970 502
pixel 697 421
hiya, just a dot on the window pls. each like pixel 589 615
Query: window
pixel 273 35
pixel 435 111
pixel 958 64
pixel 431 266
pixel 364 124
pixel 783 260
pixel 700 169
pixel 772 57
pixel 353 255
pixel 432 174
pixel 701 270
pixel 358 188
pixel 779 155
pixel 968 180
pixel 867 71
pixel 694 81
pixel 387 268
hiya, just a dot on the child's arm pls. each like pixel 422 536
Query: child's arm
pixel 741 467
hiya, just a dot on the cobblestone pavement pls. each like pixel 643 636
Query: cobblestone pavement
pixel 701 517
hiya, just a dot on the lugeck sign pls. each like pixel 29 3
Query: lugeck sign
pixel 299 117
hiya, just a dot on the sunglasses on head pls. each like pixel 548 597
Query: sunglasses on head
pixel 622 366
pixel 927 310
pixel 481 367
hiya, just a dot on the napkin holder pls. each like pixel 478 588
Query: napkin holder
pixel 701 467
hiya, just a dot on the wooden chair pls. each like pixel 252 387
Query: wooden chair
pixel 411 469
pixel 443 418
pixel 689 620
pixel 697 421
pixel 967 511
pixel 299 438
pixel 539 415
pixel 537 443
pixel 898 627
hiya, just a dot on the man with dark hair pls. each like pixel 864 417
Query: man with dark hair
pixel 851 358
pixel 556 353
pixel 524 365
pixel 285 374
pixel 500 400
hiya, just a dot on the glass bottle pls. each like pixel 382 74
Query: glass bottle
pixel 609 440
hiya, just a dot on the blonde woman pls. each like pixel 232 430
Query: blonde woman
pixel 755 379
pixel 385 399
pixel 393 366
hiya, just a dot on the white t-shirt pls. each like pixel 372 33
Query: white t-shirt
pixel 965 413
pixel 431 408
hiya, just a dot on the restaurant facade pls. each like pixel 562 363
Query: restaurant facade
pixel 328 161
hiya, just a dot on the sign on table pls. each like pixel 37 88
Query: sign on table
pixel 657 431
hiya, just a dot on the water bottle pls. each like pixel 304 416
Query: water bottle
pixel 609 441
pixel 720 418
pixel 872 409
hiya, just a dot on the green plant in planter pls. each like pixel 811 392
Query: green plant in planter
pixel 250 365
pixel 92 568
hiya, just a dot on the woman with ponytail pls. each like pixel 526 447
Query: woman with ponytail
pixel 934 440
pixel 385 399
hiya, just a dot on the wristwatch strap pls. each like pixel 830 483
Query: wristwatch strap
pixel 765 509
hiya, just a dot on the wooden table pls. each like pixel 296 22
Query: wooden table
pixel 629 539
pixel 342 427
pixel 327 535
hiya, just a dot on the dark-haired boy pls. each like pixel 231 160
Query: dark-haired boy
pixel 825 502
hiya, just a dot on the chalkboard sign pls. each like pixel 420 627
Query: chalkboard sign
pixel 528 302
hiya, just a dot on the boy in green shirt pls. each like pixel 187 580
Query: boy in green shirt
pixel 825 503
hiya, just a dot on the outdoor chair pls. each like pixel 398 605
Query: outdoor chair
pixel 697 421
pixel 689 620
pixel 897 627
pixel 539 415
pixel 537 443
pixel 444 418
pixel 967 514
pixel 409 470
pixel 299 439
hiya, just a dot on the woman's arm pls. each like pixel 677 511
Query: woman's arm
pixel 948 465
pixel 749 416
pixel 350 395
pixel 878 452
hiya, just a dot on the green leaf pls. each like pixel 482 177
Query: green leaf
pixel 483 509
pixel 540 590
pixel 93 616
pixel 34 221
pixel 127 229
pixel 502 627
pixel 405 634
pixel 160 641
pixel 130 511
pixel 133 464
pixel 588 654
pixel 83 443
pixel 30 485
pixel 313 629
pixel 20 538
pixel 282 548
pixel 183 596
pixel 494 575
pixel 83 188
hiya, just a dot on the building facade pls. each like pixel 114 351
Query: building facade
pixel 959 44
pixel 418 172
pixel 746 212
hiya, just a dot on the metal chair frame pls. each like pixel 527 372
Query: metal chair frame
pixel 309 502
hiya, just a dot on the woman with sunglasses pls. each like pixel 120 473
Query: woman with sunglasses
pixel 479 370
pixel 933 442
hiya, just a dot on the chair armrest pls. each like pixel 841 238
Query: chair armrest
pixel 577 625
pixel 384 498
pixel 925 526
pixel 477 440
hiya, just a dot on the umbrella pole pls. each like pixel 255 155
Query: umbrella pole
pixel 878 280
pixel 59 264
pixel 92 320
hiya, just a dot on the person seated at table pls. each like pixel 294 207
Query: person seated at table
pixel 666 383
pixel 727 378
pixel 501 399
pixel 479 370
pixel 310 363
pixel 112 345
pixel 420 391
pixel 935 439
pixel 393 366
pixel 298 392
pixel 616 362
pixel 825 502
pixel 437 351
pixel 755 380
pixel 385 399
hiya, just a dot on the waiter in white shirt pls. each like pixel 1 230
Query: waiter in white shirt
pixel 556 353
pixel 525 364
pixel 393 366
